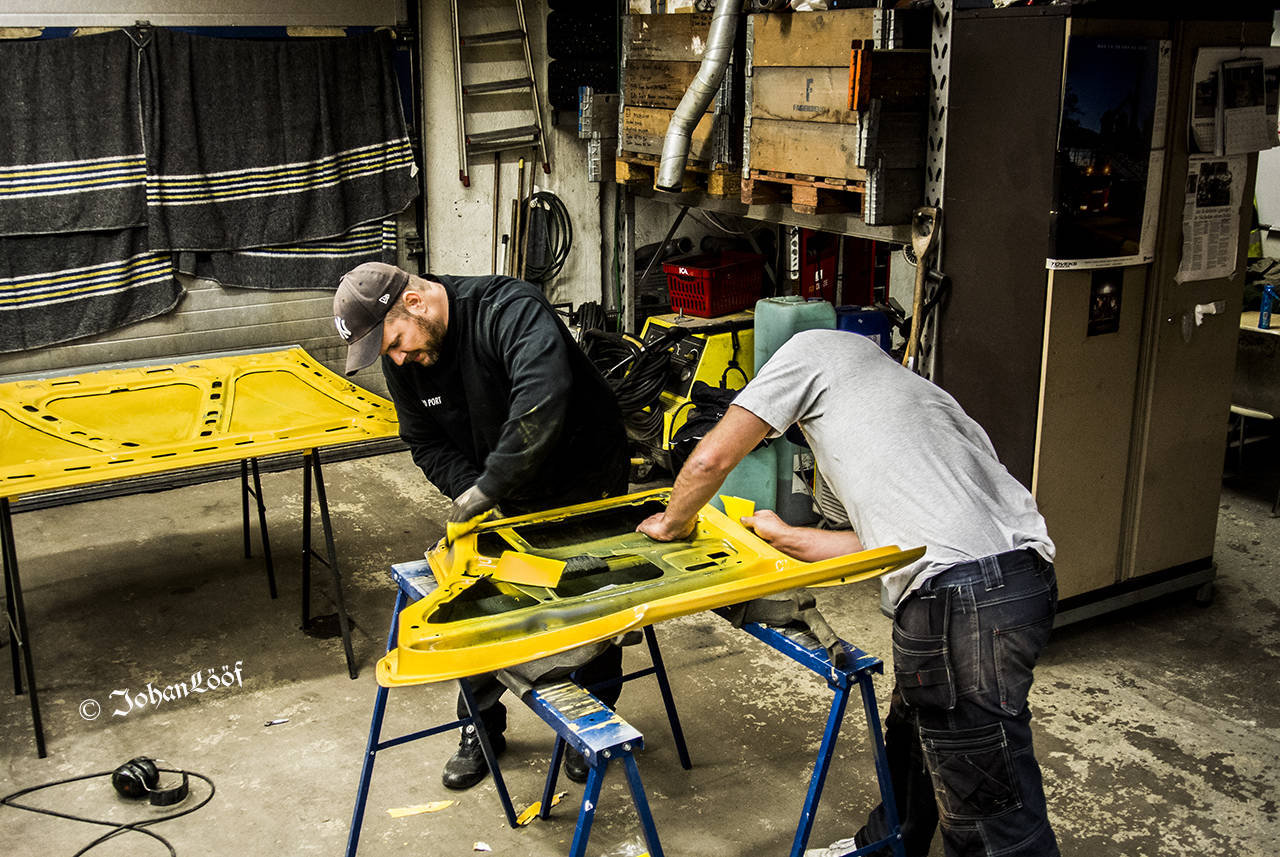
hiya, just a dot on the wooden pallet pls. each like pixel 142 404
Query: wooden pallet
pixel 639 170
pixel 806 194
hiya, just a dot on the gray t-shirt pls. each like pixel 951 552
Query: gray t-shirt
pixel 909 466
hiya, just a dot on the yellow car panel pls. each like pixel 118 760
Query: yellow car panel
pixel 614 580
pixel 152 418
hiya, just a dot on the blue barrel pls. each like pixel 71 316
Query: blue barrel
pixel 867 322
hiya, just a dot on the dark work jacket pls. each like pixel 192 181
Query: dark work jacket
pixel 512 404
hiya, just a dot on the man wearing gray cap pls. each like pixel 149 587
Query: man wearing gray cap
pixel 498 405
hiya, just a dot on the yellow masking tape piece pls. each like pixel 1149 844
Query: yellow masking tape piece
pixel 532 810
pixel 434 806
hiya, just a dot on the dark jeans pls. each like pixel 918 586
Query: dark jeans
pixel 958 733
pixel 487 688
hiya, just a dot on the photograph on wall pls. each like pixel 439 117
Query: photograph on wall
pixel 1107 174
pixel 1105 288
pixel 1237 93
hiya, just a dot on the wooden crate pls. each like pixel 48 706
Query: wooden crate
pixel 814 94
pixel 661 57
pixel 805 148
pixel 898 79
pixel 655 83
pixel 831 123
pixel 669 38
pixel 642 129
pixel 808 38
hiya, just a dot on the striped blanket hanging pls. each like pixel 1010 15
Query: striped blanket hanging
pixel 55 290
pixel 260 144
pixel 70 137
pixel 313 265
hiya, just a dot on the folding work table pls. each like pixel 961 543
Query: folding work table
pixel 136 421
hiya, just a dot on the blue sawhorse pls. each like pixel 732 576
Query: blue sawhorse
pixel 415 581
pixel 802 648
pixel 601 736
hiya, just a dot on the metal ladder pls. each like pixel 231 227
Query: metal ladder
pixel 504 139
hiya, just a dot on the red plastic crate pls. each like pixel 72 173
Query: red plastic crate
pixel 713 284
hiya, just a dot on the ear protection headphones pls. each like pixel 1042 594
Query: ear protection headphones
pixel 140 777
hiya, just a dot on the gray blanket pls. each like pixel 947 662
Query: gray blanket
pixel 260 144
pixel 70 137
pixel 313 265
pixel 56 289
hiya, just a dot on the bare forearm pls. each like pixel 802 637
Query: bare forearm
pixel 712 459
pixel 694 487
pixel 811 545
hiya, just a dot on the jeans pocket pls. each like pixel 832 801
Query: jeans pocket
pixel 922 670
pixel 1014 652
pixel 972 772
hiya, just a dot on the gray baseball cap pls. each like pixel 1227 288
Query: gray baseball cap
pixel 364 296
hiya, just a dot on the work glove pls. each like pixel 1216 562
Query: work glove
pixel 470 504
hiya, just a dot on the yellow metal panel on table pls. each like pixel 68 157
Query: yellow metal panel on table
pixel 131 421
pixel 614 580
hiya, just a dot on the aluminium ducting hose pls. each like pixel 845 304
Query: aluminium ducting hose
pixel 675 145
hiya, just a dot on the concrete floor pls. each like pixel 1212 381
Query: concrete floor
pixel 1158 727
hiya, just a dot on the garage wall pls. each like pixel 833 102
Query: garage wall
pixel 458 219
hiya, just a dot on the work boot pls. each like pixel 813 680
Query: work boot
pixel 467 766
pixel 575 765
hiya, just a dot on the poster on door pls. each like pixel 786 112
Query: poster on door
pixel 1110 153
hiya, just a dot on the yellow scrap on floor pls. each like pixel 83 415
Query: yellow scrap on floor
pixel 517 589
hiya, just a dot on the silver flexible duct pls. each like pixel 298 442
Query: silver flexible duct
pixel 675 145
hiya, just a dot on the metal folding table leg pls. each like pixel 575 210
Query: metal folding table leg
pixel 310 465
pixel 256 491
pixel 591 800
pixel 822 764
pixel 375 743
pixel 16 615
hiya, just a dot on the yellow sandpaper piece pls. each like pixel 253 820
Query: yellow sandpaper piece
pixel 530 813
pixel 515 567
pixel 434 806
pixel 532 810
pixel 614 580
pixel 138 419
pixel 737 507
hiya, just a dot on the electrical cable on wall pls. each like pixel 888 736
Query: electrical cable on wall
pixel 550 238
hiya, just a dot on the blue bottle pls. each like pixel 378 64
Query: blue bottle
pixel 1268 299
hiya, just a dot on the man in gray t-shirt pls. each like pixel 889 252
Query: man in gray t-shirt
pixel 970 617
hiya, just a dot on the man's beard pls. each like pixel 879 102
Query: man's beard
pixel 432 331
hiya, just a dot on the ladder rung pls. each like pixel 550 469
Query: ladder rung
pixel 490 38
pixel 508 85
pixel 502 147
pixel 503 135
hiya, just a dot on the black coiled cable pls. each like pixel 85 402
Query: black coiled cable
pixel 637 375
pixel 558 237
